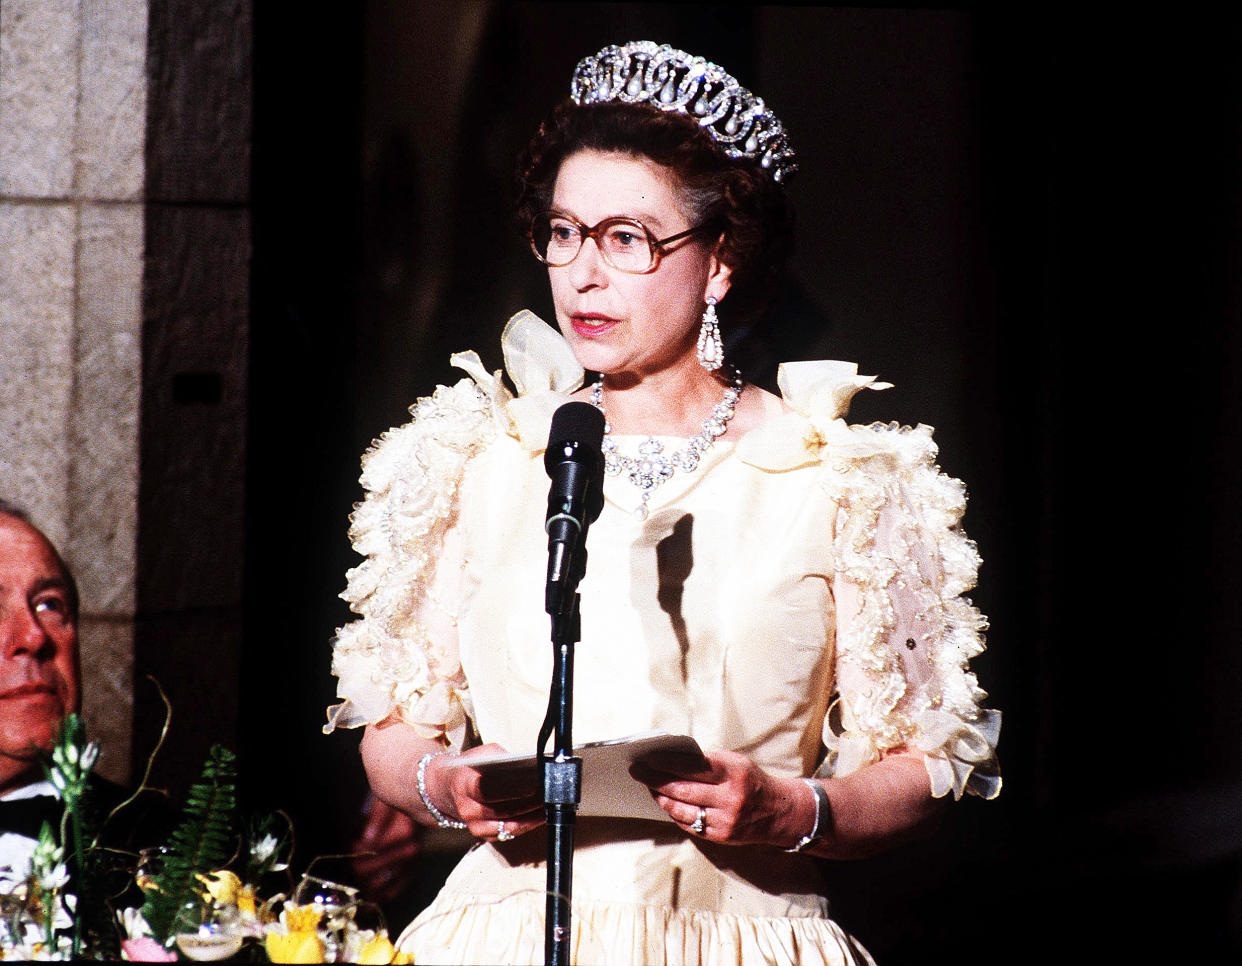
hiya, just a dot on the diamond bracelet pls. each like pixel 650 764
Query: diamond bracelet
pixel 443 820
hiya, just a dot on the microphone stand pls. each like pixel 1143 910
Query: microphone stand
pixel 560 771
pixel 575 464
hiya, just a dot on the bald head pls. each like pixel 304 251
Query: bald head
pixel 38 646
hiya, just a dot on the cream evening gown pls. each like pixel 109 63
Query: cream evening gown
pixel 799 598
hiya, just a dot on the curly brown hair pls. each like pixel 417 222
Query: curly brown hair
pixel 752 210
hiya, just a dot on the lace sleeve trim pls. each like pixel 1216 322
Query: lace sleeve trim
pixel 903 655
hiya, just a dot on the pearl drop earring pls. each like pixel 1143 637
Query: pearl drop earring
pixel 710 348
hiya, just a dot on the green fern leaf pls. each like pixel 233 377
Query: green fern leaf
pixel 201 843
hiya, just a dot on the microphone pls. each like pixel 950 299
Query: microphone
pixel 576 465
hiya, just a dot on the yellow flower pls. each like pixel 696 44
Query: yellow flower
pixel 302 918
pixel 223 886
pixel 246 902
pixel 378 952
pixel 294 947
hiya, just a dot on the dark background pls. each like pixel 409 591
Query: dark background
pixel 1028 222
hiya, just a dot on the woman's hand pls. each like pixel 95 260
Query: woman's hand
pixel 877 807
pixel 484 802
pixel 741 803
pixel 391 751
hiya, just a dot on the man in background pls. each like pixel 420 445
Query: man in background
pixel 39 680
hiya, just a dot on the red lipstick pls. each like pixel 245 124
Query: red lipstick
pixel 591 324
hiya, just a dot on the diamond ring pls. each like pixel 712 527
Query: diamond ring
pixel 502 833
pixel 699 826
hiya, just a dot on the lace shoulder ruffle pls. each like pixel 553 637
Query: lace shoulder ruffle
pixel 385 661
pixel 906 629
pixel 388 661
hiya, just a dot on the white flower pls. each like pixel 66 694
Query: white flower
pixel 354 940
pixel 33 947
pixel 10 880
pixel 262 850
pixel 134 923
pixel 46 853
pixel 57 877
pixel 63 919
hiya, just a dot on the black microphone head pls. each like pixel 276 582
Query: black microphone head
pixel 576 434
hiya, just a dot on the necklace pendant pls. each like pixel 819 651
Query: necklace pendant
pixel 652 467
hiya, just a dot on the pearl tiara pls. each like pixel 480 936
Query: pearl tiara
pixel 673 80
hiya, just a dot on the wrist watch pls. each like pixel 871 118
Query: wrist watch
pixel 823 816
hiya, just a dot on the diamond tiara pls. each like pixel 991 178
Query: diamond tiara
pixel 673 80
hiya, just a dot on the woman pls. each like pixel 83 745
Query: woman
pixel 782 587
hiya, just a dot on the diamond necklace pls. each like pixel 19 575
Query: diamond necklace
pixel 650 468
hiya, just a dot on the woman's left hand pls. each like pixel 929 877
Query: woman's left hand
pixel 740 803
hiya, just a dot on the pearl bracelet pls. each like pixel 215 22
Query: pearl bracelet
pixel 443 820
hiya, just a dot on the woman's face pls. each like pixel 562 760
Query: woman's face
pixel 620 324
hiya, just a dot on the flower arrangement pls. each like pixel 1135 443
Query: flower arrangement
pixel 209 893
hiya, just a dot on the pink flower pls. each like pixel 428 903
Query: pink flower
pixel 146 950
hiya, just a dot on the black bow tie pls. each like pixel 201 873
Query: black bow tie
pixel 25 816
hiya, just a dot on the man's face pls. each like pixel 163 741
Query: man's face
pixel 38 648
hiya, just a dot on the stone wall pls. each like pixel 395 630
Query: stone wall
pixel 124 321
pixel 72 133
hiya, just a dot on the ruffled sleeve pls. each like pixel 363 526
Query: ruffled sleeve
pixel 400 655
pixel 906 630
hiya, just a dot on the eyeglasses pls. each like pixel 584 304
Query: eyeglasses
pixel 624 243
